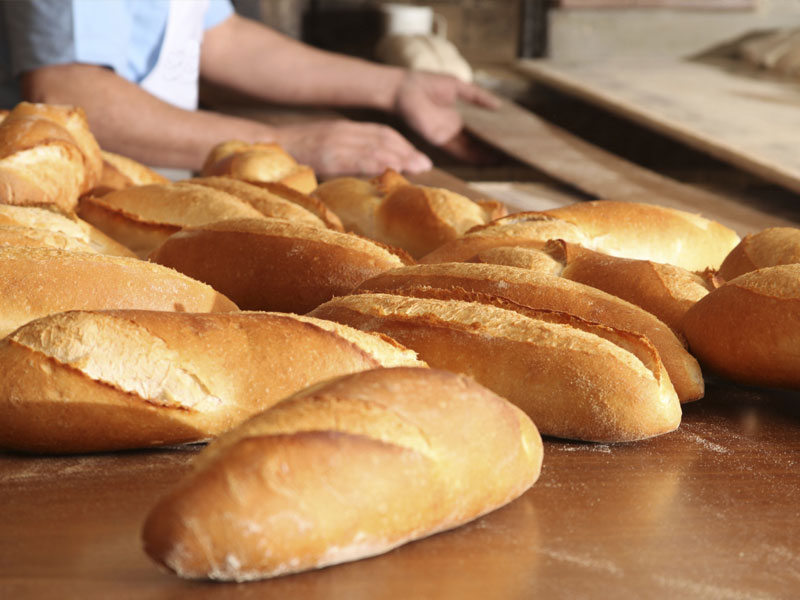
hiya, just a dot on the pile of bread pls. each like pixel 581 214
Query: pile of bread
pixel 373 360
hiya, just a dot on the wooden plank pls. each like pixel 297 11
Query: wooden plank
pixel 750 122
pixel 601 174
pixel 682 4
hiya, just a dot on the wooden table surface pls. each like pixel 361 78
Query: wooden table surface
pixel 709 511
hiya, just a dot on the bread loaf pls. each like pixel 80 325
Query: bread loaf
pixel 35 282
pixel 526 230
pixel 664 290
pixel 748 329
pixel 273 264
pixel 30 217
pixel 73 119
pixel 626 229
pixel 142 217
pixel 542 291
pixel 41 163
pixel 345 470
pixel 767 248
pixel 11 235
pixel 120 172
pixel 650 232
pixel 391 210
pixel 259 162
pixel 572 383
pixel 264 201
pixel 98 381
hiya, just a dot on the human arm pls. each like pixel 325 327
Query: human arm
pixel 130 121
pixel 268 65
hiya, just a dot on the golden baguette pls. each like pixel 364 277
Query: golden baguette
pixel 664 290
pixel 543 291
pixel 143 217
pixel 572 383
pixel 70 226
pixel 273 264
pixel 98 381
pixel 74 120
pixel 345 470
pixel 767 248
pixel 264 201
pixel 748 329
pixel 391 210
pixel 626 229
pixel 35 282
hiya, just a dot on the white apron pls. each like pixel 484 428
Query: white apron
pixel 175 76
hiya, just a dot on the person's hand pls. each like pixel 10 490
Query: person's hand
pixel 427 102
pixel 342 147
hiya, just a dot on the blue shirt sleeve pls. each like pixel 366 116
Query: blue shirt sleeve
pixel 218 11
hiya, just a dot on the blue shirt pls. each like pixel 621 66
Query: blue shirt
pixel 124 35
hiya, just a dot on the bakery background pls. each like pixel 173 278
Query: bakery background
pixel 705 511
pixel 509 47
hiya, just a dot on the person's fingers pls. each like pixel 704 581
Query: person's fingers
pixel 479 96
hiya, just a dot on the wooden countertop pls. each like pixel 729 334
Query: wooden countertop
pixel 709 511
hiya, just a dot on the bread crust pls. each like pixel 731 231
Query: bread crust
pixel 625 229
pixel 393 211
pixel 31 217
pixel 143 217
pixel 345 470
pixel 35 282
pixel 273 264
pixel 260 198
pixel 259 162
pixel 540 290
pixel 768 248
pixel 747 329
pixel 48 156
pixel 572 383
pixel 110 380
pixel 667 291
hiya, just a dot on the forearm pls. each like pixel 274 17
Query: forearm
pixel 287 71
pixel 130 121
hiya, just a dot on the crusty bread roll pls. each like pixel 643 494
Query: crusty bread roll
pixel 666 291
pixel 345 470
pixel 41 163
pixel 767 248
pixel 120 172
pixel 748 329
pixel 273 264
pixel 142 217
pixel 391 210
pixel 572 383
pixel 542 291
pixel 35 282
pixel 626 229
pixel 259 162
pixel 97 381
pixel 264 201
pixel 68 225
